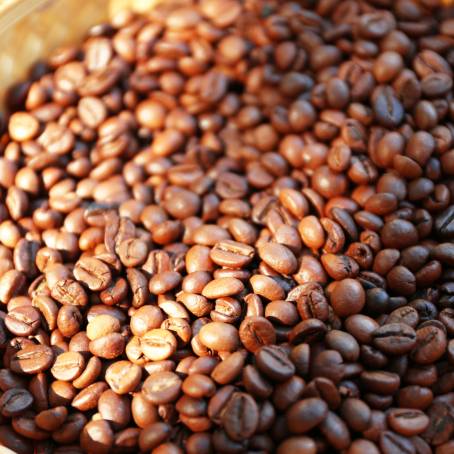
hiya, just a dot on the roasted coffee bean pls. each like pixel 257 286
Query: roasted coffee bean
pixel 68 291
pixel 274 363
pixel 392 442
pixel 232 254
pixel 219 336
pixel 15 401
pixel 348 297
pixel 97 435
pixel 430 344
pixel 252 204
pixel 380 381
pixel 92 272
pixel 240 417
pixel 161 387
pixel 407 422
pixel 51 419
pixel 306 414
pixel 386 106
pixel 278 257
pixel 336 431
pixel 68 366
pixel 394 338
pixel 228 370
pixel 87 399
pixel 256 332
pixel 32 359
pixel 23 321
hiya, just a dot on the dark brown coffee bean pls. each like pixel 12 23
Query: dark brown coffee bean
pixel 310 330
pixel 13 441
pixel 387 108
pixel 336 431
pixel 394 338
pixel 348 297
pixel 407 422
pixel 430 344
pixel 392 442
pixel 274 363
pixel 241 416
pixel 306 414
pixel 444 224
pixel 15 401
pixel 380 381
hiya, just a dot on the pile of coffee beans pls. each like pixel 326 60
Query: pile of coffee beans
pixel 228 227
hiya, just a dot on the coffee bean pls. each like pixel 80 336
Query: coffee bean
pixel 356 414
pixel 161 387
pixel 114 408
pixel 158 344
pixel 267 287
pixel 306 414
pixel 123 376
pixel 13 441
pixel 241 416
pixel 94 273
pixel 15 401
pixel 335 431
pixel 23 321
pixel 256 332
pixel 390 442
pixel 387 108
pixel 219 336
pixel 252 204
pixel 407 422
pixel 430 344
pixel 87 399
pixel 32 359
pixel 380 381
pixel 232 254
pixel 444 225
pixel 51 419
pixel 278 257
pixel 274 363
pixel 394 338
pixel 68 366
pixel 229 369
pixel 302 444
pixel 97 435
pixel 328 364
pixel 221 287
pixel 309 331
pixel 255 383
pixel 348 297
pixel 23 126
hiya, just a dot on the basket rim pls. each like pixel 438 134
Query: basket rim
pixel 12 12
